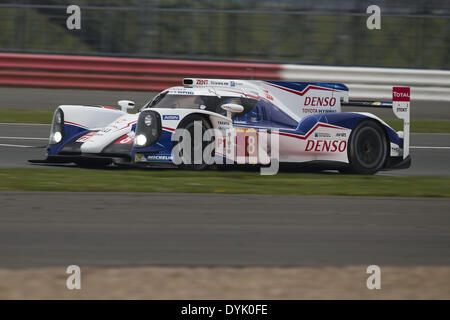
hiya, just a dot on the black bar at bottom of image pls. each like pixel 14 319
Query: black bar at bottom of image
pixel 226 309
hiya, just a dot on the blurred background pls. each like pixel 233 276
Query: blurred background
pixel 414 33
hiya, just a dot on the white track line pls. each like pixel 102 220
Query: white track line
pixel 23 138
pixel 25 124
pixel 426 147
pixel 15 146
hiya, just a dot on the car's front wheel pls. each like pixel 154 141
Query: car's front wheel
pixel 367 148
pixel 196 147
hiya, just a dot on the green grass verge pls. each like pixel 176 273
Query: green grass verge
pixel 45 117
pixel 422 126
pixel 77 179
pixel 26 116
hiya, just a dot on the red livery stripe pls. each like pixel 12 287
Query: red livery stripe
pixel 317 125
pixel 168 129
pixel 301 93
pixel 75 124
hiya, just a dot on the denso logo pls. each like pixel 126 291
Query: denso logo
pixel 326 146
pixel 320 101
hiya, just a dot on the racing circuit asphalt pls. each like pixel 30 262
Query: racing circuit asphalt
pixel 53 229
pixel 48 229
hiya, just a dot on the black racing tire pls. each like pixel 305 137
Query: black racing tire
pixel 188 124
pixel 367 148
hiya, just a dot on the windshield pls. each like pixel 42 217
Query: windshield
pixel 210 103
pixel 175 101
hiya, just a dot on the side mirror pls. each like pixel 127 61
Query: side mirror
pixel 126 105
pixel 232 108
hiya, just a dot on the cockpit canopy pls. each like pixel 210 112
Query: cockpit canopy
pixel 256 111
pixel 212 103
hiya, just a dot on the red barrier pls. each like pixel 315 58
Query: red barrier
pixel 87 81
pixel 119 73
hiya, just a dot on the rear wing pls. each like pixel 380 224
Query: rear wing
pixel 400 105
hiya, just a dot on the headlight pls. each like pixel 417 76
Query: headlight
pixel 141 140
pixel 57 130
pixel 57 137
pixel 148 129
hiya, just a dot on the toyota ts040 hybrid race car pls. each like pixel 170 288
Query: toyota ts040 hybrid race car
pixel 253 122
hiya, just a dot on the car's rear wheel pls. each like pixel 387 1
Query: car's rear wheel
pixel 198 147
pixel 367 148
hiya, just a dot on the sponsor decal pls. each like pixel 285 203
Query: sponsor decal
pixel 103 131
pixel 341 134
pixel 322 135
pixel 118 124
pixel 315 110
pixel 159 157
pixel 400 94
pixel 86 136
pixel 310 110
pixel 219 83
pixel 320 101
pixel 326 146
pixel 246 145
pixel 223 123
pixel 399 109
pixel 181 92
pixel 267 95
pixel 171 117
pixel 232 83
pixel 126 139
pixel 139 157
pixel 201 82
pixel 221 142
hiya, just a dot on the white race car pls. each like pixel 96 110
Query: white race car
pixel 253 122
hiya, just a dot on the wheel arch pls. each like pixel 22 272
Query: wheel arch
pixel 352 119
pixel 193 115
pixel 383 127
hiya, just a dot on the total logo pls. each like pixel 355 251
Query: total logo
pixel 326 146
pixel 401 94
